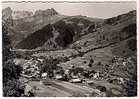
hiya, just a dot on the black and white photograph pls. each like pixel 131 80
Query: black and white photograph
pixel 69 49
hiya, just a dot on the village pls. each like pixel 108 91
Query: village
pixel 49 72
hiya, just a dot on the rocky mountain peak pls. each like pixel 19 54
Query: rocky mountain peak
pixel 7 16
pixel 8 9
pixel 47 12
pixel 7 12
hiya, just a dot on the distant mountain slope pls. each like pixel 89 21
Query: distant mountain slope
pixel 109 34
pixel 34 40
pixel 110 40
pixel 65 32
pixel 83 34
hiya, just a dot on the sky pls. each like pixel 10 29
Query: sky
pixel 90 9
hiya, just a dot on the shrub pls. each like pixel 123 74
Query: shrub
pixel 14 88
pixel 132 44
pixel 10 71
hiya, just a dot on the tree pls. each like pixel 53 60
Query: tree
pixel 11 72
pixel 6 44
pixel 91 62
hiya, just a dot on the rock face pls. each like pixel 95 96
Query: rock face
pixel 48 12
pixel 21 14
pixel 7 16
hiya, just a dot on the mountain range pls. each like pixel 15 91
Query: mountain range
pixel 49 30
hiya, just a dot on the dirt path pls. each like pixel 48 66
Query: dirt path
pixel 48 91
pixel 60 89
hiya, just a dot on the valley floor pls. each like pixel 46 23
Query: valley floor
pixel 62 89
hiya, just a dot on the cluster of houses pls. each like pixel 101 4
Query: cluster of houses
pixel 73 75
